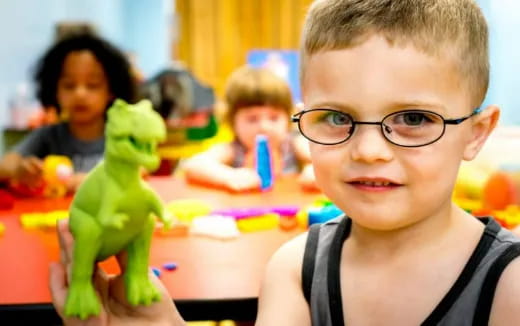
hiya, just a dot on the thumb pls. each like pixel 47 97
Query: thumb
pixel 58 286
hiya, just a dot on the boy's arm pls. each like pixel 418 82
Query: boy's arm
pixel 281 299
pixel 75 181
pixel 212 168
pixel 506 304
pixel 26 170
pixel 9 164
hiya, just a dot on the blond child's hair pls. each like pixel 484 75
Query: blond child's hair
pixel 453 28
pixel 248 86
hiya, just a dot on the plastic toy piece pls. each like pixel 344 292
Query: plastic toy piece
pixel 323 214
pixel 302 218
pixel 500 191
pixel 6 200
pixel 170 266
pixel 180 229
pixel 57 169
pixel 263 160
pixel 241 213
pixel 187 209
pixel 259 223
pixel 42 220
pixel 509 217
pixel 288 223
pixel 156 271
pixel 285 210
pixel 113 210
pixel 215 226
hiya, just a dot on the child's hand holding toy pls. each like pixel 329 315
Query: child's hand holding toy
pixel 110 289
pixel 114 211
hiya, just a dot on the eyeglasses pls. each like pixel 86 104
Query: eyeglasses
pixel 408 128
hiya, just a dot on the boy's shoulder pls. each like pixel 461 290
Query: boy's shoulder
pixel 505 302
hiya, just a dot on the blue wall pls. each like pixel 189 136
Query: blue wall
pixel 504 25
pixel 27 27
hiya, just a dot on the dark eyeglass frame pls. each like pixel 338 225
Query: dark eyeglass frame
pixel 296 118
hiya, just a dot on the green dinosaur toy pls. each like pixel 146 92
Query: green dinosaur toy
pixel 112 210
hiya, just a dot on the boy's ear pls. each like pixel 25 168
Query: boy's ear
pixel 482 126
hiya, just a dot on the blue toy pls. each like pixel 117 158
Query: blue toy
pixel 170 266
pixel 323 214
pixel 264 166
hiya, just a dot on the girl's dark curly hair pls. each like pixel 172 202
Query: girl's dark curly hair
pixel 115 64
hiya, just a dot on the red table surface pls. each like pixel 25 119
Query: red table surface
pixel 208 269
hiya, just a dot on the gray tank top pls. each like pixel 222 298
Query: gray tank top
pixel 468 302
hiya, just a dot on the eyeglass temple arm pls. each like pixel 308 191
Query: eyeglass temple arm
pixel 296 117
pixel 460 120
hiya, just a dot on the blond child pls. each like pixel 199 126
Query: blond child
pixel 393 92
pixel 258 102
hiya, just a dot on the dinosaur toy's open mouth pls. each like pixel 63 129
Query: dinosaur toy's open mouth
pixel 141 146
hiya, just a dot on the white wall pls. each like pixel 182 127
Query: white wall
pixel 27 27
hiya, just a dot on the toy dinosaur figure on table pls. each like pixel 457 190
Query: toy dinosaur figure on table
pixel 113 209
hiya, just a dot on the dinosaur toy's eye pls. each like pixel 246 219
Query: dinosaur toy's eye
pixel 133 140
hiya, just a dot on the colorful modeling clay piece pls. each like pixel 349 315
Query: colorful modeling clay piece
pixel 509 217
pixel 323 214
pixel 156 271
pixel 500 191
pixel 467 204
pixel 288 223
pixel 264 166
pixel 215 226
pixel 114 209
pixel 42 220
pixel 302 217
pixel 186 209
pixel 322 201
pixel 247 212
pixel 259 223
pixel 180 229
pixel 241 213
pixel 285 210
pixel 6 200
pixel 2 229
pixel 170 266
pixel 57 169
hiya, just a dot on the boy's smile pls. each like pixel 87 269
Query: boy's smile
pixel 381 185
pixel 373 184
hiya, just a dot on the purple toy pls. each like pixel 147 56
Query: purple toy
pixel 241 213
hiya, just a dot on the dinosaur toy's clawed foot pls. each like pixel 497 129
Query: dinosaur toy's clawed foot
pixel 82 301
pixel 140 290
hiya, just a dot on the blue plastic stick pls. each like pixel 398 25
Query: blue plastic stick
pixel 263 162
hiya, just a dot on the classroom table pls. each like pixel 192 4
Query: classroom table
pixel 215 279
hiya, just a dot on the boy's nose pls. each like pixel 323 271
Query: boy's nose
pixel 369 145
pixel 80 91
pixel 264 125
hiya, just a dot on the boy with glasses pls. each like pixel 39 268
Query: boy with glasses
pixel 392 92
pixel 390 89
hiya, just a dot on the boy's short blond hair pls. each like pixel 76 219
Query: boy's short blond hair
pixel 456 28
pixel 249 86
